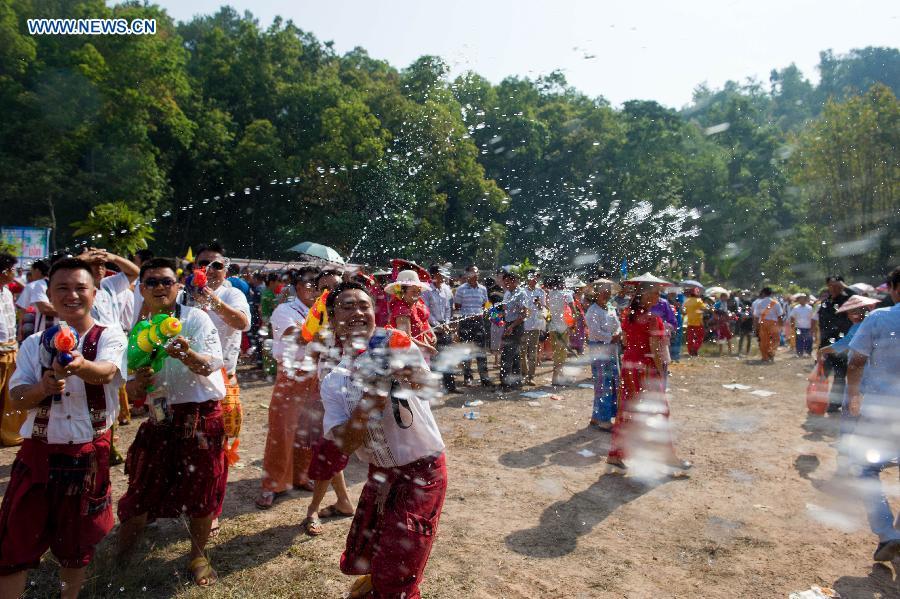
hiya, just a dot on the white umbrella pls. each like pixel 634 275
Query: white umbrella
pixel 317 250
pixel 648 278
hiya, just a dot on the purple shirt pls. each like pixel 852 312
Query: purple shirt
pixel 664 310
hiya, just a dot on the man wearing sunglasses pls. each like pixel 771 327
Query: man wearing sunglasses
pixel 176 464
pixel 230 313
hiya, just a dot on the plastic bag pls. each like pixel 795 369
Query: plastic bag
pixel 817 392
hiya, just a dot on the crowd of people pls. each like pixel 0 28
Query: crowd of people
pixel 356 358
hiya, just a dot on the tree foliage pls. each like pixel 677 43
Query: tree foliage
pixel 262 136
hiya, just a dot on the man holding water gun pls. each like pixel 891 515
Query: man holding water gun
pixel 67 379
pixel 386 420
pixel 176 464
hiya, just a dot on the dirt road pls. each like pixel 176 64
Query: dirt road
pixel 530 512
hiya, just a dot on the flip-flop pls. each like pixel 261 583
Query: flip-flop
pixel 203 572
pixel 265 499
pixel 307 486
pixel 332 511
pixel 312 527
pixel 361 587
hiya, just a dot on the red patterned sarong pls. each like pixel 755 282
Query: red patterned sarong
pixel 177 468
pixel 58 498
pixel 394 526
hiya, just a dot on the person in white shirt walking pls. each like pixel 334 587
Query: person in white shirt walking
pixel 535 323
pixel 38 312
pixel 439 300
pixel 58 496
pixel 176 464
pixel 604 334
pixel 802 316
pixel 10 419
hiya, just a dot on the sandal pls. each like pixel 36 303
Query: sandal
pixel 616 466
pixel 203 572
pixel 312 527
pixel 265 499
pixel 307 486
pixel 214 529
pixel 361 587
pixel 332 511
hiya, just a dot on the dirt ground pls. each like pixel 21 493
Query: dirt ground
pixel 530 513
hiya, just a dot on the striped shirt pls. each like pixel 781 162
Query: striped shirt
pixel 471 300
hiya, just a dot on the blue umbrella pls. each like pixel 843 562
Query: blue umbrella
pixel 317 250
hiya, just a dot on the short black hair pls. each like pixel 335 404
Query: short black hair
pixel 273 277
pixel 893 280
pixel 327 273
pixel 158 263
pixel 42 266
pixel 304 272
pixel 766 291
pixel 339 289
pixel 234 269
pixel 144 255
pixel 471 267
pixel 834 279
pixel 213 246
pixel 70 264
pixel 7 260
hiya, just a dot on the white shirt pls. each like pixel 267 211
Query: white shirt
pixel 136 306
pixel 439 302
pixel 602 324
pixel 7 321
pixel 386 445
pixel 175 381
pixel 228 336
pixel 802 315
pixel 284 317
pixel 110 298
pixel 35 291
pixel 556 301
pixel 70 419
pixel 760 305
pixel 535 321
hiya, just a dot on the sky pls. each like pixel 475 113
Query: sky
pixel 621 50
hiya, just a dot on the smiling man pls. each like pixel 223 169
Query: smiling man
pixel 176 464
pixel 396 519
pixel 59 493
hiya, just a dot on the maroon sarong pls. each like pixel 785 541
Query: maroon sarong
pixel 327 460
pixel 58 498
pixel 177 468
pixel 394 526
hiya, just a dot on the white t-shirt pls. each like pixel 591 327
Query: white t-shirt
pixel 284 317
pixel 70 419
pixel 556 301
pixel 36 291
pixel 7 320
pixel 602 324
pixel 803 316
pixel 386 445
pixel 137 304
pixel 228 336
pixel 110 299
pixel 535 320
pixel 175 381
pixel 760 306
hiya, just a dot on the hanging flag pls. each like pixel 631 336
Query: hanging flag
pixel 189 257
pixel 624 268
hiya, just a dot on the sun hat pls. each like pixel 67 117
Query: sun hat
pixel 406 278
pixel 857 302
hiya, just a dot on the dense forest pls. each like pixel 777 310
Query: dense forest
pixel 263 136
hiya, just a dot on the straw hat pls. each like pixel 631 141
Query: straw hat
pixel 857 302
pixel 613 286
pixel 406 278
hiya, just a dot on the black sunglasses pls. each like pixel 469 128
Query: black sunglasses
pixel 215 265
pixel 153 283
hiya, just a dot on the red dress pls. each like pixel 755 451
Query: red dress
pixel 418 315
pixel 642 398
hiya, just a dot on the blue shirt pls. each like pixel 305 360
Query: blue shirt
pixel 878 338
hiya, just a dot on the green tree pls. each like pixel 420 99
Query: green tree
pixel 116 227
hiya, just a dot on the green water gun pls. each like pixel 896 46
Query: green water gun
pixel 147 341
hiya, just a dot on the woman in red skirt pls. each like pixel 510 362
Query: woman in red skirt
pixel 641 431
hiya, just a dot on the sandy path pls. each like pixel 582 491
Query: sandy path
pixel 527 515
